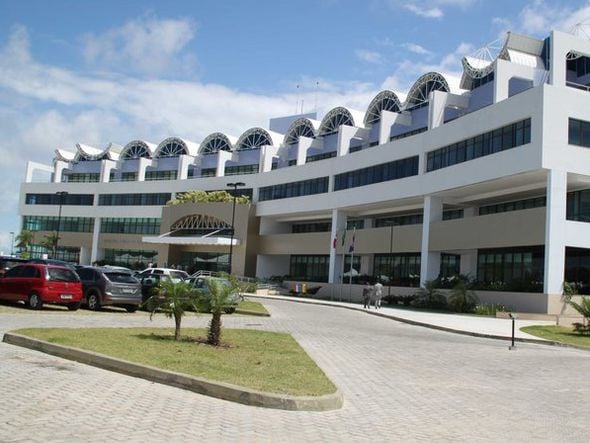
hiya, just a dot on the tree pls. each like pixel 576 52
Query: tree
pixel 24 240
pixel 462 298
pixel 584 309
pixel 218 300
pixel 50 241
pixel 430 297
pixel 173 299
pixel 206 197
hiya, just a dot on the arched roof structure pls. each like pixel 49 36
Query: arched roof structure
pixel 418 95
pixel 216 142
pixel 384 101
pixel 302 127
pixel 89 153
pixel 199 222
pixel 138 149
pixel 337 117
pixel 174 146
pixel 64 156
pixel 256 137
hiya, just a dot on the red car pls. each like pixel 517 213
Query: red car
pixel 36 284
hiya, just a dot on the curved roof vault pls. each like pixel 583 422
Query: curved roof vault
pixel 216 142
pixel 138 149
pixel 88 153
pixel 421 89
pixel 384 101
pixel 257 137
pixel 302 127
pixel 64 156
pixel 175 146
pixel 337 117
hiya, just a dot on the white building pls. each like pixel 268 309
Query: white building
pixel 490 180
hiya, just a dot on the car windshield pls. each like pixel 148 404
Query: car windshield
pixel 178 274
pixel 62 274
pixel 120 277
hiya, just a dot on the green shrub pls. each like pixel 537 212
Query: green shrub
pixel 489 309
pixel 429 297
pixel 462 298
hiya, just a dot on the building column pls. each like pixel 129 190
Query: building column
pixel 95 237
pixel 555 232
pixel 429 261
pixel 338 225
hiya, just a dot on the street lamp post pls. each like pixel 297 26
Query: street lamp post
pixel 233 215
pixel 61 195
pixel 11 243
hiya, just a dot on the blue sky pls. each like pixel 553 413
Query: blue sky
pixel 114 71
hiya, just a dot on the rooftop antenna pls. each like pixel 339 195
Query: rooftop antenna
pixel 302 101
pixel 315 104
pixel 297 101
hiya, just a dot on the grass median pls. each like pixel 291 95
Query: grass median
pixel 559 334
pixel 266 361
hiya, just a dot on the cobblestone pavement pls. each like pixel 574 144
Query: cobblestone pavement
pixel 400 383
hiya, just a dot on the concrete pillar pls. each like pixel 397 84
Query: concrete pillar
pixel 59 167
pixel 141 168
pixel 184 162
pixel 268 154
pixel 95 238
pixel 222 158
pixel 106 166
pixel 388 118
pixel 302 147
pixel 429 261
pixel 555 231
pixel 338 225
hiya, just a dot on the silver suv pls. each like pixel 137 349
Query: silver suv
pixel 107 286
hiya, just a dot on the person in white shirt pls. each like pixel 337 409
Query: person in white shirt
pixel 378 291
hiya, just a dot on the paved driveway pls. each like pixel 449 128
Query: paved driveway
pixel 400 383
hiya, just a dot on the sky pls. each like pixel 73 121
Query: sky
pixel 114 71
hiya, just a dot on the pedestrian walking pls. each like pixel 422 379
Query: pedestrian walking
pixel 367 290
pixel 378 294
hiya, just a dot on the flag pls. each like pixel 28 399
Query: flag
pixel 343 236
pixel 335 241
pixel 351 249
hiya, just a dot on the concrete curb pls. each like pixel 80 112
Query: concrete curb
pixel 425 325
pixel 224 391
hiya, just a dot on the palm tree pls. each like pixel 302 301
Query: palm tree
pixel 220 297
pixel 462 298
pixel 50 241
pixel 429 296
pixel 173 300
pixel 24 240
pixel 584 309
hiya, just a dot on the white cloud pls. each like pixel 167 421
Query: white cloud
pixel 416 49
pixel 147 45
pixel 369 56
pixel 432 12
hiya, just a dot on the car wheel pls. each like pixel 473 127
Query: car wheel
pixel 35 301
pixel 73 306
pixel 131 308
pixel 93 301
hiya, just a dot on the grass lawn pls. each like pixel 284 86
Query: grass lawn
pixel 252 306
pixel 558 333
pixel 266 361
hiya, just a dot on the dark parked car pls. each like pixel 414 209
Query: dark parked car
pixel 108 286
pixel 36 284
pixel 52 261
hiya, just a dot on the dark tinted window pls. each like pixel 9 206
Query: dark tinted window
pixel 14 272
pixel 30 272
pixel 85 274
pixel 120 277
pixel 62 274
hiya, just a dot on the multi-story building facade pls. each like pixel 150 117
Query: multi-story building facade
pixel 491 180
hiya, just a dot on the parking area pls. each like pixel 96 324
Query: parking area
pixel 400 382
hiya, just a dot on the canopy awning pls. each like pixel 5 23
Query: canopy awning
pixel 166 239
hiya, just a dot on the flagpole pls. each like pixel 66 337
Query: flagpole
pixel 342 266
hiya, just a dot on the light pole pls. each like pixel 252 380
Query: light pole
pixel 11 243
pixel 390 255
pixel 233 215
pixel 61 195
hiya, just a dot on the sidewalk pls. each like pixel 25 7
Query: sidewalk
pixel 476 325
